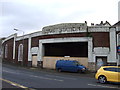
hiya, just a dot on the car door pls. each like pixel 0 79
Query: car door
pixel 73 67
pixel 112 74
pixel 118 74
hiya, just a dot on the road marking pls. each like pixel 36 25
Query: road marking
pixel 32 68
pixel 34 76
pixel 61 77
pixel 102 86
pixel 46 78
pixel 15 84
pixel 10 72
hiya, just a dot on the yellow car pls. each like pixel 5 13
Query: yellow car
pixel 108 73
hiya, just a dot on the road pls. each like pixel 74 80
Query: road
pixel 30 78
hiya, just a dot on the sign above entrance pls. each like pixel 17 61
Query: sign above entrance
pixel 65 28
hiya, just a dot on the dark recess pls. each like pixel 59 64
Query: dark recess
pixel 72 49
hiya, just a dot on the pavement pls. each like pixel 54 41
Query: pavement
pixel 87 74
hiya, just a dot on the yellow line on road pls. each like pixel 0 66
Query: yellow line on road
pixel 15 84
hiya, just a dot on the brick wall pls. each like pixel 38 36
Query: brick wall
pixel 25 51
pixel 100 39
pixel 35 40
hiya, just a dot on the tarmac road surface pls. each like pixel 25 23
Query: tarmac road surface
pixel 38 78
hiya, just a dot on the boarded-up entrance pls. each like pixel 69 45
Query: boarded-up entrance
pixel 34 60
pixel 65 51
pixel 50 62
pixel 100 61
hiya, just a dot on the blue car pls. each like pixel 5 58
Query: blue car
pixel 71 66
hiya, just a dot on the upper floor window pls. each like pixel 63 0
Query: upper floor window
pixel 6 51
pixel 20 52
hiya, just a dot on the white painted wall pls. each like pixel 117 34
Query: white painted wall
pixel 112 56
pixel 90 50
pixel 15 36
pixel 100 51
pixel 34 50
pixel 29 49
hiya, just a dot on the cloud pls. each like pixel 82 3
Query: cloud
pixel 33 15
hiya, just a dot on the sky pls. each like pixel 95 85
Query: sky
pixel 29 16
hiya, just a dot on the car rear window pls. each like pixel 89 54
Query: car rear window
pixel 112 69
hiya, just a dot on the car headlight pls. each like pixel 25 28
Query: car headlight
pixel 83 68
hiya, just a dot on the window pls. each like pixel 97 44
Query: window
pixel 112 69
pixel 6 51
pixel 20 52
pixel 76 63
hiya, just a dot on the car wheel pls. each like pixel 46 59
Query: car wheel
pixel 102 79
pixel 59 70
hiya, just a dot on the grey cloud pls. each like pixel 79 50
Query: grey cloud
pixel 31 15
pixel 24 17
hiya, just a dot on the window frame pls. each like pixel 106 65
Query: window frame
pixel 20 52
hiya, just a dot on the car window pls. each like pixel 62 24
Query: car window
pixel 76 63
pixel 112 69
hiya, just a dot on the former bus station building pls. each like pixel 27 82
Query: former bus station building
pixel 92 46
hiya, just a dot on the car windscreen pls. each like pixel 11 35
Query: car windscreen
pixel 77 63
pixel 112 69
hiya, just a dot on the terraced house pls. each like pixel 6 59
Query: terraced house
pixel 92 46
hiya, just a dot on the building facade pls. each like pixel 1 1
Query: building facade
pixel 92 46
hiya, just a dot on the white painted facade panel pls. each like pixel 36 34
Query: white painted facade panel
pixel 29 49
pixel 112 57
pixel 34 50
pixel 100 51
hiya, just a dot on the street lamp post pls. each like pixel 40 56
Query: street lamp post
pixel 19 30
pixel 23 45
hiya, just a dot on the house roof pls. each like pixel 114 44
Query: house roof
pixel 116 24
pixel 103 24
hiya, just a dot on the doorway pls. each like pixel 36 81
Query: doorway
pixel 101 61
pixel 34 60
